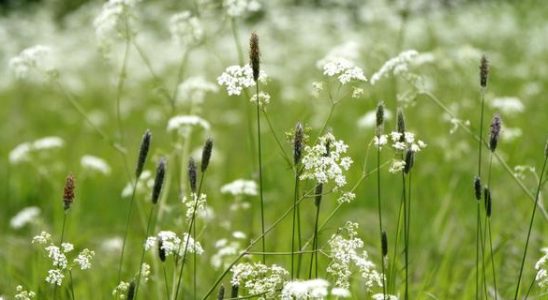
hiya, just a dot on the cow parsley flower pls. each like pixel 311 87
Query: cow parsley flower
pixel 57 257
pixel 264 99
pixel 259 279
pixel 94 163
pixel 24 217
pixel 236 78
pixel 67 247
pixel 402 142
pixel 185 28
pixel 112 20
pixel 84 259
pixel 237 8
pixel 194 89
pixel 183 123
pixel 36 59
pixel 325 162
pixel 240 187
pixel 396 166
pixel 55 277
pixel 145 272
pixel 42 239
pixel 198 202
pixel 23 152
pixel 341 292
pixel 343 69
pixel 227 251
pixel 542 271
pixel 303 290
pixel 347 255
pixel 120 291
pixel 23 294
pixel 508 105
pixel 396 65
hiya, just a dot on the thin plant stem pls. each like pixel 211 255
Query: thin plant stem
pixel 480 146
pixel 315 245
pixel 299 240
pixel 121 79
pixel 408 226
pixel 131 204
pixel 516 295
pixel 405 234
pixel 71 285
pixel 165 280
pixel 492 258
pixel 396 243
pixel 138 282
pixel 477 246
pixel 192 223
pixel 379 206
pixel 261 187
pixel 530 288
pixel 295 195
pixel 65 213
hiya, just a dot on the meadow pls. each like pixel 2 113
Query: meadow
pixel 253 149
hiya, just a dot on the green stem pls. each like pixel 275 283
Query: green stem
pixel 295 195
pixel 121 80
pixel 261 187
pixel 165 280
pixel 516 295
pixel 405 237
pixel 278 142
pixel 315 245
pixel 128 218
pixel 492 258
pixel 71 285
pixel 379 206
pixel 138 282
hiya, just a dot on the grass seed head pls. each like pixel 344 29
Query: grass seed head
pixel 143 152
pixel 401 124
pixel 131 290
pixel 234 291
pixel 68 193
pixel 487 198
pixel 158 180
pixel 161 250
pixel 298 140
pixel 477 188
pixel 409 161
pixel 380 118
pixel 221 294
pixel 496 125
pixel 206 154
pixel 255 55
pixel 484 71
pixel 384 242
pixel 192 174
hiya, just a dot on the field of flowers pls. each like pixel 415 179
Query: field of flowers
pixel 306 149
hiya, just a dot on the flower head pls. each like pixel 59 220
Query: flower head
pixel 236 78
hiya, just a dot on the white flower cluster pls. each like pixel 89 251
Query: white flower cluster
pixel 198 202
pixel 407 142
pixel 194 89
pixel 264 99
pixel 185 28
pixel 112 20
pixel 34 59
pixel 172 244
pixel 23 152
pixel 23 294
pixel 542 271
pixel 59 260
pixel 508 105
pixel 227 251
pixel 25 216
pixel 183 123
pixel 237 8
pixel 240 187
pixel 344 69
pixel 259 279
pixel 95 164
pixel 384 297
pixel 120 291
pixel 303 290
pixel 396 65
pixel 236 78
pixel 324 161
pixel 346 255
pixel 145 272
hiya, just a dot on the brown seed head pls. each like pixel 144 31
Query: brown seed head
pixel 221 294
pixel 409 161
pixel 192 174
pixel 380 118
pixel 158 180
pixel 206 154
pixel 255 55
pixel 161 250
pixel 68 194
pixel 484 71
pixel 477 188
pixel 298 140
pixel 384 244
pixel 143 152
pixel 401 124
pixel 496 125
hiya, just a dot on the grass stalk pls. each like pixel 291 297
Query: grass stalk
pixel 261 187
pixel 138 282
pixel 293 229
pixel 128 218
pixel 379 207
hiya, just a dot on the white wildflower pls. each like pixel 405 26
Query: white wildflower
pixel 226 252
pixel 55 277
pixel 57 257
pixel 259 279
pixel 24 216
pixel 84 259
pixel 340 292
pixel 183 123
pixel 198 203
pixel 113 244
pixel 194 89
pixel 20 153
pixel 237 8
pixel 94 163
pixel 193 246
pixel 384 297
pixel 396 166
pixel 264 99
pixel 322 164
pixel 395 65
pixel 357 92
pixel 145 272
pixel 42 239
pixel 343 69
pixel 303 290
pixel 346 255
pixel 521 170
pixel 121 290
pixel 171 243
pixel 49 142
pixel 240 187
pixel 113 20
pixel 23 152
pixel 380 141
pixel 34 59
pixel 346 197
pixel 542 271
pixel 185 28
pixel 23 294
pixel 67 247
pixel 406 141
pixel 236 78
pixel 508 105
pixel 239 235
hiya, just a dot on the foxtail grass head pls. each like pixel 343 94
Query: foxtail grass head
pixel 68 193
pixel 234 291
pixel 143 153
pixel 477 188
pixel 496 125
pixel 488 201
pixel 131 290
pixel 255 55
pixel 158 180
pixel 206 154
pixel 192 174
pixel 298 141
pixel 546 149
pixel 221 294
pixel 409 161
pixel 161 250
pixel 384 244
pixel 380 118
pixel 318 194
pixel 484 71
pixel 401 124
